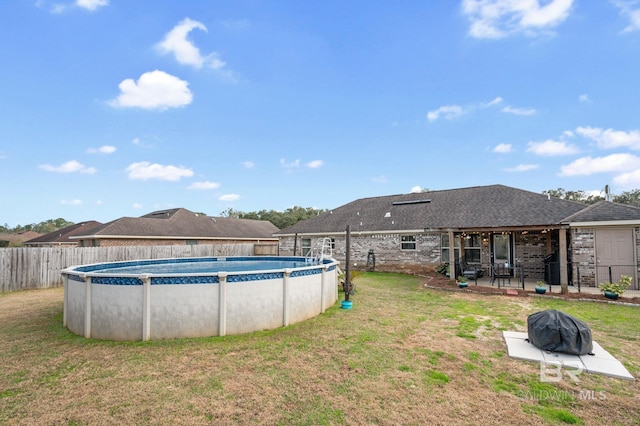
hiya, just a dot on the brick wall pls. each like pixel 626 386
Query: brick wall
pixel 162 242
pixel 386 248
pixel 530 250
pixel 583 256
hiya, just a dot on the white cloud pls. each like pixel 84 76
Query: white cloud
pixel 106 149
pixel 448 111
pixel 75 202
pixel 71 166
pixel 496 101
pixel 552 148
pixel 137 206
pixel 145 170
pixel 229 197
pixel 204 185
pixel 379 179
pixel 522 168
pixel 315 164
pixel 248 164
pixel 289 166
pixel 175 42
pixel 416 189
pixel 629 180
pixel 500 18
pixel 153 90
pixel 583 98
pixel 91 4
pixel 609 138
pixel 503 148
pixel 627 10
pixel 620 163
pixel 519 111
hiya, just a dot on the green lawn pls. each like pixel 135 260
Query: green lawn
pixel 401 355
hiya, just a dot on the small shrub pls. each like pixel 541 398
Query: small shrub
pixel 617 288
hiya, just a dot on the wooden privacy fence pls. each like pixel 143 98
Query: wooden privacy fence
pixel 40 267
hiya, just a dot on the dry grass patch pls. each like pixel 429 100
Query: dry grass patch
pixel 402 355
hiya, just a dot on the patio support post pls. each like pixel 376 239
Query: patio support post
pixel 562 258
pixel 452 257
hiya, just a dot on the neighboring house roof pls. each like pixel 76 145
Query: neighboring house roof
pixel 61 236
pixel 479 207
pixel 181 223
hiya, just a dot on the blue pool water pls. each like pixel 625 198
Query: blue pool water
pixel 198 265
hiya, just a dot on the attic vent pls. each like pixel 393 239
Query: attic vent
pixel 401 203
pixel 387 214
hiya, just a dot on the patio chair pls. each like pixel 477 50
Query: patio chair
pixel 500 271
pixel 472 272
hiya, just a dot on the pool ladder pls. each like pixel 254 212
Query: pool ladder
pixel 326 251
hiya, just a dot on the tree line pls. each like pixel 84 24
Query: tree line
pixel 289 217
pixel 42 227
pixel 628 197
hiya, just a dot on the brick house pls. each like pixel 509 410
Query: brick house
pixel 485 225
pixel 180 226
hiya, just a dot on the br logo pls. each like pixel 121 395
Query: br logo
pixel 554 371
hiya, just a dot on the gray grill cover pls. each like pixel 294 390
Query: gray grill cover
pixel 556 331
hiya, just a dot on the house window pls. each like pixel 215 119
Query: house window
pixel 306 246
pixel 444 246
pixel 192 242
pixel 333 243
pixel 472 244
pixel 408 242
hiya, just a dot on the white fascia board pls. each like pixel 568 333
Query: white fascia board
pixel 604 223
pixel 324 234
pixel 160 237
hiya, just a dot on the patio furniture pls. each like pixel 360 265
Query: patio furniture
pixel 501 271
pixel 472 272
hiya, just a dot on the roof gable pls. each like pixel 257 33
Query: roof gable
pixel 606 211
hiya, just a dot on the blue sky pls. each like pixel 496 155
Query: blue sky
pixel 114 108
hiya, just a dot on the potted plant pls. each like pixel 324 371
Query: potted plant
pixel 462 282
pixel 541 288
pixel 615 290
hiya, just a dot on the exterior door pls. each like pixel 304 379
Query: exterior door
pixel 614 254
pixel 501 249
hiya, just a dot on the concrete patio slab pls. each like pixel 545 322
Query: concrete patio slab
pixel 601 362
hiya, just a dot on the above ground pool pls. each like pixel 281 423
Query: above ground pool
pixel 195 297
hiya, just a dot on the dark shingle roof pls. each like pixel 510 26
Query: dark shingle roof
pixel 493 206
pixel 182 223
pixel 605 211
pixel 61 236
